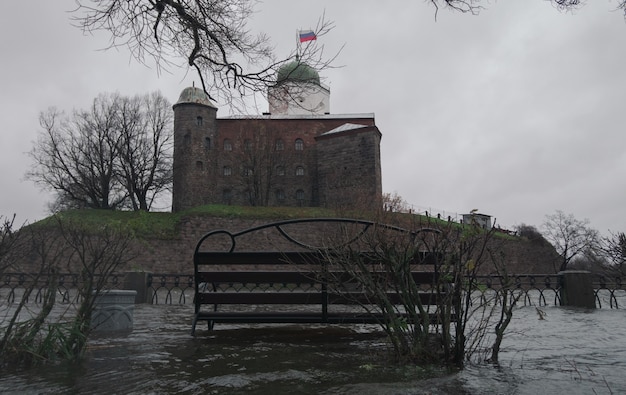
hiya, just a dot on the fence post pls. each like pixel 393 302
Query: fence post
pixel 577 289
pixel 138 281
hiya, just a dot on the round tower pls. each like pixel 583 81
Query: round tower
pixel 195 136
pixel 298 91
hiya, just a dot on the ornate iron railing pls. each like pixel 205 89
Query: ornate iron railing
pixel 171 288
pixel 14 286
pixel 528 289
pixel 609 290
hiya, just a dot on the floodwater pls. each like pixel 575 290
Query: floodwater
pixel 570 351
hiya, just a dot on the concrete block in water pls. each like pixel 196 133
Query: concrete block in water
pixel 139 282
pixel 577 289
pixel 113 311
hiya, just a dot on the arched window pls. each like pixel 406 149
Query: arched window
pixel 187 139
pixel 299 171
pixel 207 143
pixel 280 145
pixel 199 165
pixel 299 145
pixel 199 121
pixel 247 144
pixel 280 170
pixel 228 145
pixel 227 171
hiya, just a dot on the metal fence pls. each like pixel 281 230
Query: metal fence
pixel 169 288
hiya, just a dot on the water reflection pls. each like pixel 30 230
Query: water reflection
pixel 571 350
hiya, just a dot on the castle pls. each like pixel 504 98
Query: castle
pixel 298 154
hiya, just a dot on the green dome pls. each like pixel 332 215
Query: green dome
pixel 297 71
pixel 194 95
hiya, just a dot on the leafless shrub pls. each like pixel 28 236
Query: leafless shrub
pixel 36 335
pixel 439 322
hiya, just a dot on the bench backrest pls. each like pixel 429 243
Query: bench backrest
pixel 289 256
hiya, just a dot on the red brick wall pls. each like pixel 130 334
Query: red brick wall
pixel 199 171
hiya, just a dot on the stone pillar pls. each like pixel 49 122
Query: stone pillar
pixel 138 281
pixel 577 289
pixel 113 311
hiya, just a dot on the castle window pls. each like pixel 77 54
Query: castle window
pixel 280 170
pixel 280 145
pixel 299 145
pixel 199 121
pixel 187 139
pixel 247 145
pixel 247 171
pixel 280 195
pixel 227 171
pixel 199 165
pixel 227 196
pixel 299 171
pixel 207 143
pixel 228 145
pixel 300 197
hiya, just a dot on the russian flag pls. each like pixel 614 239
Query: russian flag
pixel 307 35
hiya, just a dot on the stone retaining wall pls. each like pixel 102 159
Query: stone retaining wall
pixel 173 255
pixel 176 255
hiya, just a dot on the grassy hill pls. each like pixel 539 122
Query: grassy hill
pixel 164 242
pixel 166 224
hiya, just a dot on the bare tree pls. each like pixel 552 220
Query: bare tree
pixel 212 36
pixel 465 6
pixel 531 233
pixel 97 255
pixel 33 336
pixel 8 237
pixel 467 319
pixel 260 164
pixel 75 156
pixel 116 154
pixel 145 146
pixel 614 249
pixel 569 236
pixel 395 203
pixel 475 6
pixel 262 159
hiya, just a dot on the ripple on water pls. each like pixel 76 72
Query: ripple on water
pixel 571 350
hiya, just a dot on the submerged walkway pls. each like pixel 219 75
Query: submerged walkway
pixel 160 356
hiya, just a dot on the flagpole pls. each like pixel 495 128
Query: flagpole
pixel 298 45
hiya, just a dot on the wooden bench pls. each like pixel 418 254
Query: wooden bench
pixel 296 286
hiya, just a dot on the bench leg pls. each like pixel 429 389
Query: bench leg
pixel 210 325
pixel 193 325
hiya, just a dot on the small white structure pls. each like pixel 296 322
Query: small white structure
pixel 482 220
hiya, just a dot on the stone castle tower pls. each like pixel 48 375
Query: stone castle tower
pixel 195 130
pixel 298 154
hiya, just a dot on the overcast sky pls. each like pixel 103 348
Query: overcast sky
pixel 516 112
